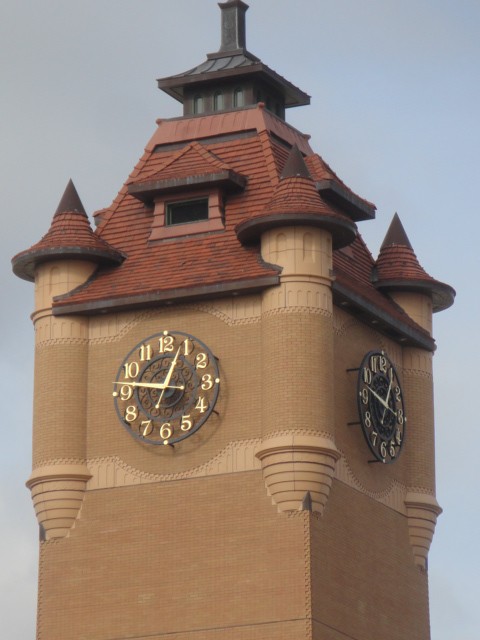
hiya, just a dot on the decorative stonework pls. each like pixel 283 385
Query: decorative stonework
pixel 113 472
pixel 294 465
pixel 57 494
pixel 393 496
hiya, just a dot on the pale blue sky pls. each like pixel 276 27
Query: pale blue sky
pixel 395 111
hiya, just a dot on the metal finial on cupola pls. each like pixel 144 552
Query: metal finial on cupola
pixel 233 25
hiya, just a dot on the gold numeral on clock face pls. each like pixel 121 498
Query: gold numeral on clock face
pixel 367 375
pixel 145 352
pixel 166 344
pixel 201 361
pixel 202 404
pixel 146 427
pixel 131 413
pixel 186 423
pixel 126 392
pixel 166 431
pixel 131 370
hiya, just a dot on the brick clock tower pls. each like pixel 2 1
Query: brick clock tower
pixel 233 434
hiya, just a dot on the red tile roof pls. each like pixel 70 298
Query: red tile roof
pixel 70 236
pixel 398 269
pixel 252 143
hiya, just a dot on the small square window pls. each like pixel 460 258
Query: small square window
pixel 186 212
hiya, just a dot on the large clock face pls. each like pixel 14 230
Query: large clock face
pixel 166 388
pixel 381 406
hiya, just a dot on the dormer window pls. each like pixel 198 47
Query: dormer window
pixel 218 101
pixel 238 97
pixel 186 211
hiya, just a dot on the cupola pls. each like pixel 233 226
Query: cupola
pixel 232 78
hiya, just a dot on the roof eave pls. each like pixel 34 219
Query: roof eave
pixel 343 231
pixel 146 191
pixel 442 295
pixel 24 263
pixel 371 314
pixel 357 208
pixel 162 298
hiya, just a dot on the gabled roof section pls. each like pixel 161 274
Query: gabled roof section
pixel 70 237
pixel 192 166
pixel 398 269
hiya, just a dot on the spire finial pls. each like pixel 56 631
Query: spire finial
pixel 233 25
pixel 295 166
pixel 70 200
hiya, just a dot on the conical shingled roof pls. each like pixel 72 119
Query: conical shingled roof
pixel 398 269
pixel 297 201
pixel 70 236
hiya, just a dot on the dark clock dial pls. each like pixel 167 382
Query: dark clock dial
pixel 166 388
pixel 381 406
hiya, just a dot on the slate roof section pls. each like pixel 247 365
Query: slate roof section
pixel 70 237
pixel 398 269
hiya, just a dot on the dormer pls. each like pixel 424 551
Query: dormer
pixel 232 78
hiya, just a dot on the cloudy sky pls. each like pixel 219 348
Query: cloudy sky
pixel 395 110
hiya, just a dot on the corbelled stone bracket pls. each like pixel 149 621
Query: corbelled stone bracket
pixel 57 494
pixel 422 513
pixel 294 465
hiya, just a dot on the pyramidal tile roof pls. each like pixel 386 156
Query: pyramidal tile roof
pixel 278 181
pixel 398 269
pixel 70 236
pixel 296 200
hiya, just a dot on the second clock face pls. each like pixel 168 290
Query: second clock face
pixel 381 406
pixel 166 388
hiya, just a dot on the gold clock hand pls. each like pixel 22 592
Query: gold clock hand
pixel 167 378
pixel 147 385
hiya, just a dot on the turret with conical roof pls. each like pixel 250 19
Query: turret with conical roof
pixel 399 273
pixel 296 201
pixel 70 237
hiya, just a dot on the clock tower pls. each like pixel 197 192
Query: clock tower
pixel 233 434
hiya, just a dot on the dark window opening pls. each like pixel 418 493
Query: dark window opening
pixel 187 211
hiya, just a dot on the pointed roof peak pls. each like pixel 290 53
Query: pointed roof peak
pixel 295 166
pixel 396 234
pixel 70 201
pixel 398 269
